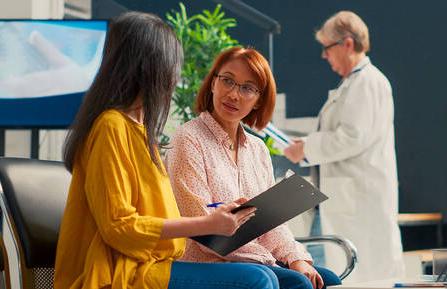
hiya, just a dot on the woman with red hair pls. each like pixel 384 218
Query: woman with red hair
pixel 214 160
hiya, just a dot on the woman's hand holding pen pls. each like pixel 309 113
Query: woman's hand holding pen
pixel 220 222
pixel 223 222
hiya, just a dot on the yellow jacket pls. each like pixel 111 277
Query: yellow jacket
pixel 117 203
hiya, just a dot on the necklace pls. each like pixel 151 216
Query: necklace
pixel 234 144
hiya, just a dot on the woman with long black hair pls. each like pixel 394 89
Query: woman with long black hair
pixel 121 226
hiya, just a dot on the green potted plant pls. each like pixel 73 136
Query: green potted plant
pixel 203 37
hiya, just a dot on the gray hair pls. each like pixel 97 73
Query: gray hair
pixel 345 24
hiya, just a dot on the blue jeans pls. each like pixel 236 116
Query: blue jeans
pixel 185 275
pixel 290 279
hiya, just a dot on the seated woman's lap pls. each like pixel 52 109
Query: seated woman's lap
pixel 242 275
pixel 187 275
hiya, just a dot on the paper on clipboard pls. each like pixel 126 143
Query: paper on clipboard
pixel 280 203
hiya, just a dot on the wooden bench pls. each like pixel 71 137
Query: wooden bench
pixel 422 219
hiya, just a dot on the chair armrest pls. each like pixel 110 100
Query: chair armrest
pixel 348 247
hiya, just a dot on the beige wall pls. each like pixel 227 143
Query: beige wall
pixel 36 9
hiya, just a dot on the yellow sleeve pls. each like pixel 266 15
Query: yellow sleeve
pixel 110 179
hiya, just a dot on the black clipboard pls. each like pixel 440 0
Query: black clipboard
pixel 280 203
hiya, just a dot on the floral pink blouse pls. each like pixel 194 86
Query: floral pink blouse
pixel 202 171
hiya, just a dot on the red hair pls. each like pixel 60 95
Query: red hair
pixel 257 118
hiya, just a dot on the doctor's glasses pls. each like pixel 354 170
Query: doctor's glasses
pixel 327 47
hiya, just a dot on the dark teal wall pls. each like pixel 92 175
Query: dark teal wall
pixel 408 43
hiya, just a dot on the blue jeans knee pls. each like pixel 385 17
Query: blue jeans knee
pixel 290 279
pixel 329 277
pixel 186 275
pixel 263 277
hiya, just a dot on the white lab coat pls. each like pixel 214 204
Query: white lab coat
pixel 355 150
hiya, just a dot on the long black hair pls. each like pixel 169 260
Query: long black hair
pixel 142 57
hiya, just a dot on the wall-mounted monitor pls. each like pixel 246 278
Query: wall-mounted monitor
pixel 45 68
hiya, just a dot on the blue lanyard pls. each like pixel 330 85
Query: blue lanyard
pixel 349 75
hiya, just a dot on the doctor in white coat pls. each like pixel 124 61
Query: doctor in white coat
pixel 354 148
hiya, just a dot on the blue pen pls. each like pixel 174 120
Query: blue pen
pixel 214 205
pixel 418 284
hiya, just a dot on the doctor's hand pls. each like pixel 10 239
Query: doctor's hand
pixel 295 152
pixel 224 222
pixel 309 271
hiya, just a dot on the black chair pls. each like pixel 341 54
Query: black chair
pixel 32 201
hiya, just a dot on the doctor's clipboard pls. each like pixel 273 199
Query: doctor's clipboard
pixel 280 203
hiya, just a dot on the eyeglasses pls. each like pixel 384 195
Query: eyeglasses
pixel 327 47
pixel 247 91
